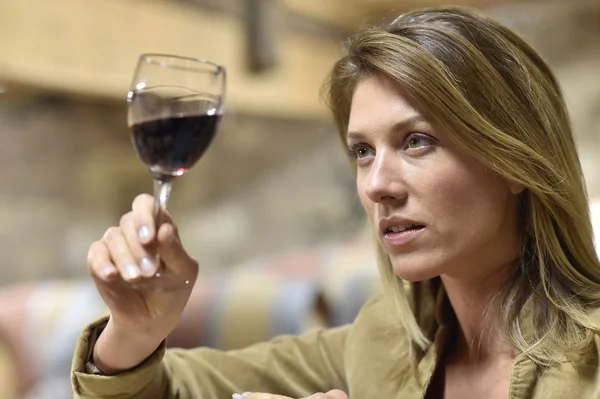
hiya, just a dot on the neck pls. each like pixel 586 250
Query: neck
pixel 478 337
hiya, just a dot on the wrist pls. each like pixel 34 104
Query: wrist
pixel 118 350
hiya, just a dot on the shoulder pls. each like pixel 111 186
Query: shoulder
pixel 377 351
pixel 379 314
pixel 376 332
pixel 576 378
pixel 378 309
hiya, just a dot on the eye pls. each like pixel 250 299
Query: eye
pixel 416 141
pixel 359 151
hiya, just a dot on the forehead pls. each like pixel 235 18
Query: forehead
pixel 378 100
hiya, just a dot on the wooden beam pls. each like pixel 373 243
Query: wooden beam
pixel 343 14
pixel 263 31
pixel 91 47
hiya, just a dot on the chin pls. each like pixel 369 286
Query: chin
pixel 414 271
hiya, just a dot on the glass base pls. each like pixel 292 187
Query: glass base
pixel 160 282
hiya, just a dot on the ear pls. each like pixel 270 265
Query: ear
pixel 516 188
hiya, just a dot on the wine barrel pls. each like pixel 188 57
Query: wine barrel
pixel 346 273
pixel 8 371
pixel 247 305
pixel 349 276
pixel 226 311
pixel 286 294
pixel 56 313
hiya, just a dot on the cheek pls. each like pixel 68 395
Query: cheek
pixel 464 200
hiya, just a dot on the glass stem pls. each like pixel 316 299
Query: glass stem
pixel 162 190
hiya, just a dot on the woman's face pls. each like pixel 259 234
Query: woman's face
pixel 436 210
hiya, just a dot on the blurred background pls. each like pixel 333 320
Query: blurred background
pixel 273 182
pixel 275 177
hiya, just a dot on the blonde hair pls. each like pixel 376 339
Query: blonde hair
pixel 501 104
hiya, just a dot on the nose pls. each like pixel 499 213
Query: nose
pixel 385 182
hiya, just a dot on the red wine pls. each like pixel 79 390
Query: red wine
pixel 171 146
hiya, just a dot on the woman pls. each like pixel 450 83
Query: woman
pixel 466 166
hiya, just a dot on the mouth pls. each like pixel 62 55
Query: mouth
pixel 398 236
pixel 403 228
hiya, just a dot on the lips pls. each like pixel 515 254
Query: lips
pixel 396 240
pixel 398 224
pixel 396 232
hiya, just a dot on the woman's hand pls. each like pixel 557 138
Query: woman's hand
pixel 334 394
pixel 140 320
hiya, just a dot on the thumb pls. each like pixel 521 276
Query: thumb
pixel 171 251
pixel 333 394
pixel 336 394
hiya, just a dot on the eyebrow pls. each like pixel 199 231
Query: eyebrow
pixel 398 126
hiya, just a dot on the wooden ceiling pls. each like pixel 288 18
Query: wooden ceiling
pixel 90 48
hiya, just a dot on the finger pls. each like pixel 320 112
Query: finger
pixel 333 394
pixel 258 395
pixel 143 211
pixel 99 263
pixel 119 252
pixel 171 251
pixel 143 257
pixel 336 394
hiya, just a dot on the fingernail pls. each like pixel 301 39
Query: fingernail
pixel 107 271
pixel 246 394
pixel 144 234
pixel 130 272
pixel 147 267
pixel 241 396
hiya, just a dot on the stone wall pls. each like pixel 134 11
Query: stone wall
pixel 69 172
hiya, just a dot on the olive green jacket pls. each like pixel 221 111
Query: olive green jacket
pixel 367 360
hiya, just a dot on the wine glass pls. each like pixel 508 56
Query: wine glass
pixel 175 106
